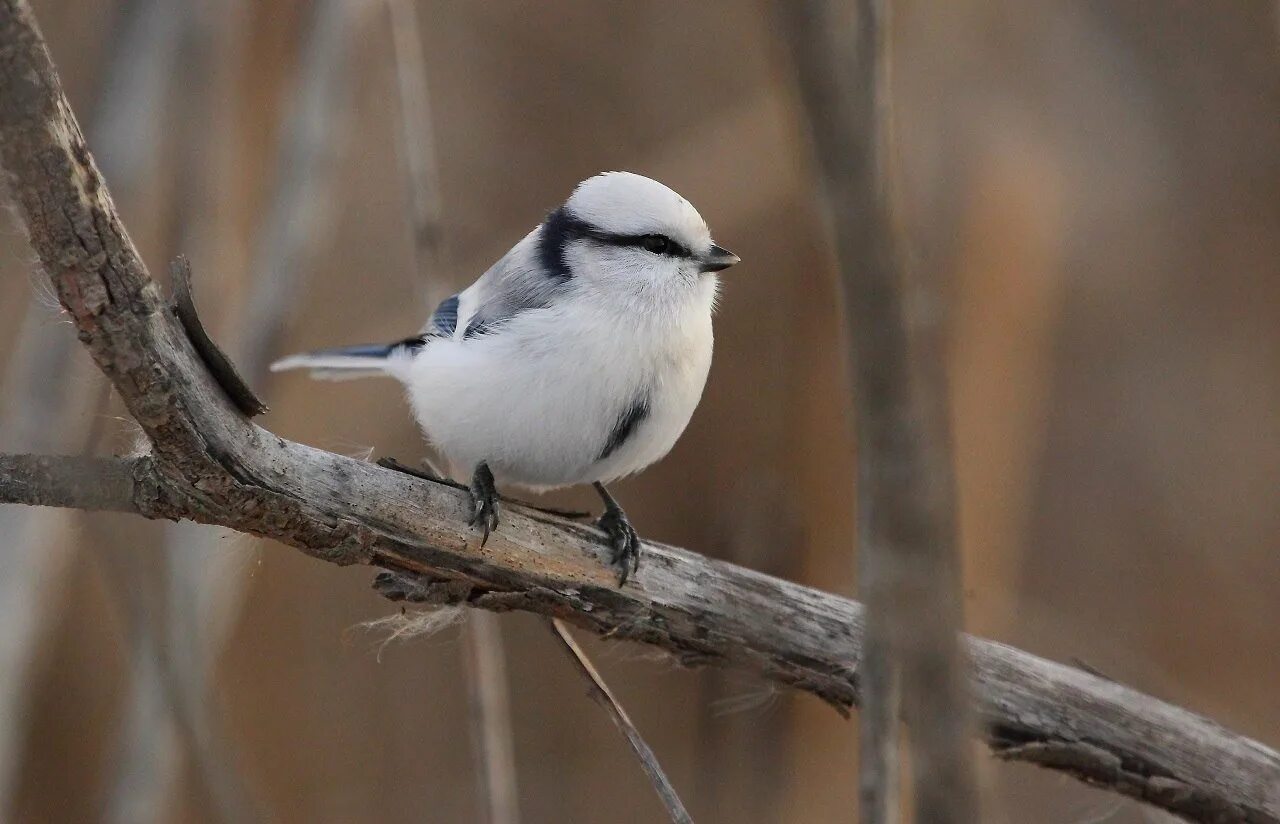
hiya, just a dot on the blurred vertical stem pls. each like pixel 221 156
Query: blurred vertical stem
pixel 169 712
pixel 52 396
pixel 493 741
pixel 492 737
pixel 191 621
pixel 908 571
pixel 417 135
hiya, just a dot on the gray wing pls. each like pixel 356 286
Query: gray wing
pixel 514 284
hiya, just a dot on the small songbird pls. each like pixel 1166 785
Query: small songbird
pixel 577 358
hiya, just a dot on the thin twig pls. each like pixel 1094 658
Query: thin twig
pixel 908 569
pixel 91 484
pixel 299 206
pixel 602 695
pixel 203 593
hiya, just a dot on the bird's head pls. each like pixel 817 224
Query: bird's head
pixel 620 229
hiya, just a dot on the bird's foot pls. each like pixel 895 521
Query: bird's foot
pixel 484 500
pixel 623 538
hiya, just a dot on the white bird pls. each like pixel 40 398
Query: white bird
pixel 578 357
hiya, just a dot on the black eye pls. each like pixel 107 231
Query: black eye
pixel 658 244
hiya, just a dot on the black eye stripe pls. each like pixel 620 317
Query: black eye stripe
pixel 562 227
pixel 671 248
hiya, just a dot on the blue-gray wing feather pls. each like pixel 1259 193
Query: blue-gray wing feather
pixel 516 283
pixel 445 319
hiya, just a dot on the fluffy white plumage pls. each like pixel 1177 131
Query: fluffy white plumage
pixel 578 357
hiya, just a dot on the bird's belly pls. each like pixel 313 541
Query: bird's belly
pixel 545 422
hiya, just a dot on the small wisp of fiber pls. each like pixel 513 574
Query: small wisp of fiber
pixel 410 624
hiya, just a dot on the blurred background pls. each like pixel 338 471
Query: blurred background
pixel 1096 184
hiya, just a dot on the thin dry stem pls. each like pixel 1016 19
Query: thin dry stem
pixel 602 695
pixel 493 741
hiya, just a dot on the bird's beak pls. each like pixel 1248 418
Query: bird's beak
pixel 718 259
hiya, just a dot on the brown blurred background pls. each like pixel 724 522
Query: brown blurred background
pixel 1097 184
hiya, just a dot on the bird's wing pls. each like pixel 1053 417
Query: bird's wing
pixel 514 284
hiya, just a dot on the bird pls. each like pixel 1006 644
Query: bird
pixel 578 358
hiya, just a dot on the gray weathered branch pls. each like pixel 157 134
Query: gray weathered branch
pixel 211 465
pixel 96 484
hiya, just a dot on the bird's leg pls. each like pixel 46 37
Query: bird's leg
pixel 622 536
pixel 484 498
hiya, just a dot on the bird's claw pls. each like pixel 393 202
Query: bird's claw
pixel 485 515
pixel 484 502
pixel 624 541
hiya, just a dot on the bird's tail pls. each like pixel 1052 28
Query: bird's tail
pixel 347 362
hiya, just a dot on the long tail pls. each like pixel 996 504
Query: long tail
pixel 347 362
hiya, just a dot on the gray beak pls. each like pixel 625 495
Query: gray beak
pixel 718 259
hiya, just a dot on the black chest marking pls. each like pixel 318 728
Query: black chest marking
pixel 625 426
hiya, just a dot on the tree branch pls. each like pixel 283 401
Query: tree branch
pixel 707 612
pixel 211 465
pixel 97 484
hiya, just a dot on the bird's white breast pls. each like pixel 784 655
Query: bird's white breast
pixel 538 398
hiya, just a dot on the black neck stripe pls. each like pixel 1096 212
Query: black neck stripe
pixel 561 228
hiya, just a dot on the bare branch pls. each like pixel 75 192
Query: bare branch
pixel 211 465
pixel 95 484
pixel 602 695
pixel 707 612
